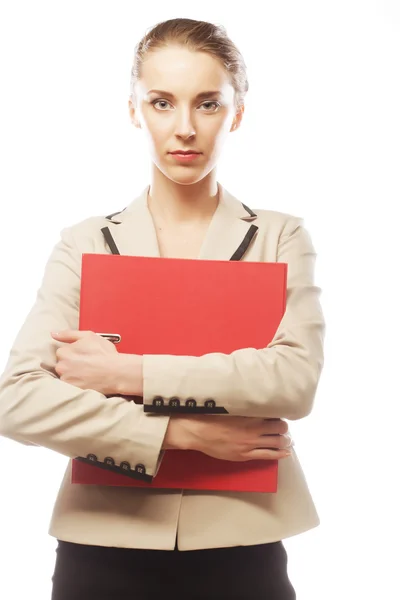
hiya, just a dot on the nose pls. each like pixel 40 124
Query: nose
pixel 185 128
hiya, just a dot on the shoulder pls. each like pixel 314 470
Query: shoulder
pixel 277 221
pixel 283 232
pixel 89 230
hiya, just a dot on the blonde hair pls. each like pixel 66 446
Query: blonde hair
pixel 196 36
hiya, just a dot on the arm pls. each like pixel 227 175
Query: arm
pixel 279 381
pixel 37 408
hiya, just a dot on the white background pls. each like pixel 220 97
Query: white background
pixel 320 139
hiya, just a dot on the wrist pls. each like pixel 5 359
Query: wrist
pixel 180 434
pixel 129 375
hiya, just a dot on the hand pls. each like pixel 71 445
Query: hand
pixel 87 361
pixel 231 438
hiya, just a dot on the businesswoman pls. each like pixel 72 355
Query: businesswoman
pixel 64 389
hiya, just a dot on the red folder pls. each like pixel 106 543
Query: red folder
pixel 184 307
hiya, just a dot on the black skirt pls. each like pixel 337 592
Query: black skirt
pixel 257 572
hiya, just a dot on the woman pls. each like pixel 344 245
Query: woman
pixel 140 543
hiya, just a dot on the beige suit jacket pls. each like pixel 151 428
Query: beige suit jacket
pixel 37 408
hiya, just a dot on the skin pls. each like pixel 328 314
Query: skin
pixel 89 361
pixel 182 198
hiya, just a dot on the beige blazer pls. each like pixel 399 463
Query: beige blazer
pixel 37 408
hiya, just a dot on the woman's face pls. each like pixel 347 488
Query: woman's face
pixel 192 109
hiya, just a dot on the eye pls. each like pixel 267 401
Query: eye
pixel 158 101
pixel 208 102
pixel 215 103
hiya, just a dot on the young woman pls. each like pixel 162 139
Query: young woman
pixel 63 389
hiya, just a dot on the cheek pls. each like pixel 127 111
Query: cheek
pixel 217 132
pixel 157 132
pixel 217 128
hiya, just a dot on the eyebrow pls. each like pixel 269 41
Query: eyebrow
pixel 198 97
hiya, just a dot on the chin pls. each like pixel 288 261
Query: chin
pixel 180 181
pixel 184 176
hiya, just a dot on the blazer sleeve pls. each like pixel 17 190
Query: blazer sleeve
pixel 37 408
pixel 278 381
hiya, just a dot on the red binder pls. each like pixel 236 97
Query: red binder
pixel 184 307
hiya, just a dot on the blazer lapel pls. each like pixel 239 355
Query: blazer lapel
pixel 231 230
pixel 230 233
pixel 133 230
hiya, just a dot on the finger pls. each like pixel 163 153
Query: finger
pixel 274 427
pixel 275 441
pixel 285 441
pixel 267 454
pixel 60 353
pixel 70 335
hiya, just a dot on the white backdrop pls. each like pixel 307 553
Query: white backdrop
pixel 320 136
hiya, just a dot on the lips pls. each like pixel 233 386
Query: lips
pixel 185 158
pixel 185 152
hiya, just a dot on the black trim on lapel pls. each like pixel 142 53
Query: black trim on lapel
pixel 251 213
pixel 245 243
pixel 109 217
pixel 110 240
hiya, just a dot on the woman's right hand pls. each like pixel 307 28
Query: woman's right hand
pixel 230 438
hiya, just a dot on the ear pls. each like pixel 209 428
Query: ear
pixel 133 114
pixel 238 118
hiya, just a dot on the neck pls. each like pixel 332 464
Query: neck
pixel 175 203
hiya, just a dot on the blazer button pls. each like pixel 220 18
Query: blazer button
pixel 174 401
pixel 125 465
pixel 92 457
pixel 140 469
pixel 109 461
pixel 209 404
pixel 191 402
pixel 158 401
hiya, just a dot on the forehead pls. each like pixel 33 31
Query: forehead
pixel 182 71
